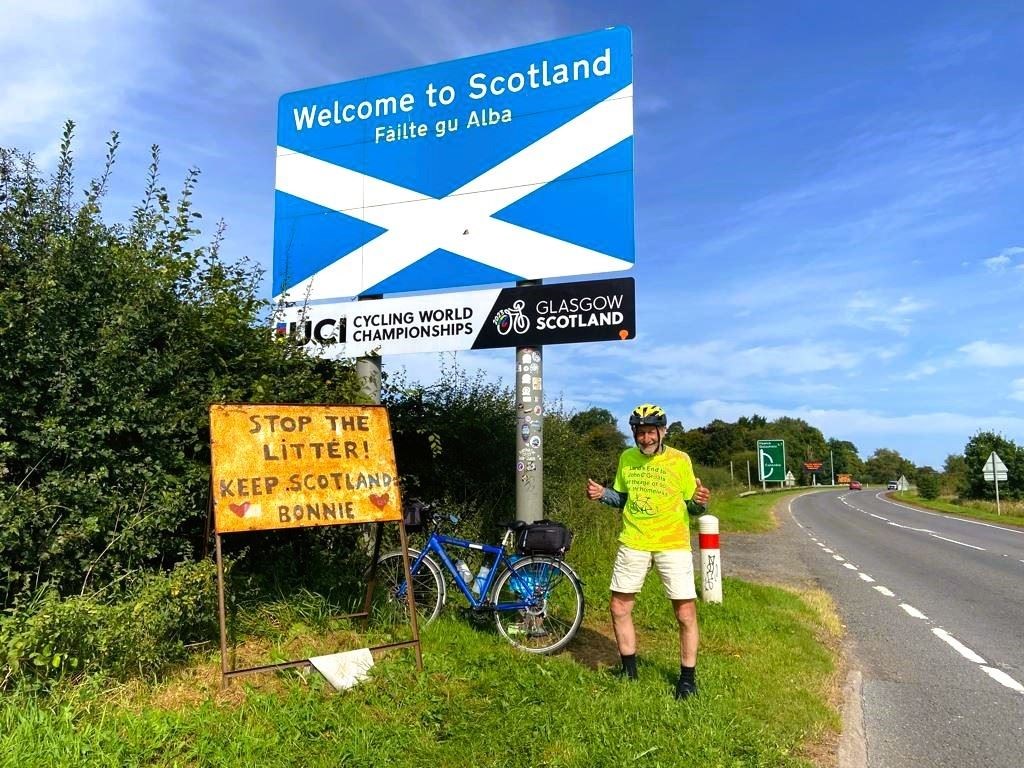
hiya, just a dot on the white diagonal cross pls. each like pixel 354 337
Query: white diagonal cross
pixel 461 222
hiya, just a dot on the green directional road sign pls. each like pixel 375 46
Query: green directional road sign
pixel 771 461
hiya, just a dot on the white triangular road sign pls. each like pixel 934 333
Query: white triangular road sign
pixel 994 464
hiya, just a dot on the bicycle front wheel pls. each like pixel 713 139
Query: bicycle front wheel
pixel 555 604
pixel 427 586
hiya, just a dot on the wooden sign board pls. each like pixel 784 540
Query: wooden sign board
pixel 295 466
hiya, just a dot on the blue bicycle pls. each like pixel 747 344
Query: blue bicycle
pixel 536 599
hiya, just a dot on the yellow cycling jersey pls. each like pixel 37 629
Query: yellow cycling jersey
pixel 655 517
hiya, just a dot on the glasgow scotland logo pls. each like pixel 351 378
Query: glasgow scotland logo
pixel 512 319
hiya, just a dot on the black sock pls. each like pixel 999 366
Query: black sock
pixel 688 674
pixel 629 665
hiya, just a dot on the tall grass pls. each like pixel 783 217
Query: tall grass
pixel 1010 512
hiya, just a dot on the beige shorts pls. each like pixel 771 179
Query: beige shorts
pixel 674 566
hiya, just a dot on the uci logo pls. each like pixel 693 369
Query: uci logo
pixel 329 330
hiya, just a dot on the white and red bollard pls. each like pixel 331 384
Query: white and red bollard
pixel 710 559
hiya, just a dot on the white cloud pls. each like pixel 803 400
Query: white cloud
pixel 1003 260
pixel 1017 389
pixel 875 311
pixel 70 60
pixel 988 354
pixel 997 263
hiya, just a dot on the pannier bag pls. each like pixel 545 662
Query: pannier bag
pixel 416 515
pixel 545 537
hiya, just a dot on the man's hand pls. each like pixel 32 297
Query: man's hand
pixel 702 494
pixel 594 490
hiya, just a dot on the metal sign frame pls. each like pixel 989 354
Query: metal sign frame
pixel 228 671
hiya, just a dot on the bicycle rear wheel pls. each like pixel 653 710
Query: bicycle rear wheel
pixel 427 586
pixel 556 609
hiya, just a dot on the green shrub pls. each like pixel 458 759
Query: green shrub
pixel 114 341
pixel 141 633
pixel 928 483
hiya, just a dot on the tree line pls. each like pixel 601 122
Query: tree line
pixel 722 443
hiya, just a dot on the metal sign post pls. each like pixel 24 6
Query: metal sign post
pixel 529 434
pixel 994 471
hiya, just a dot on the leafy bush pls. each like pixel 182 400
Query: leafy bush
pixel 454 445
pixel 928 483
pixel 54 637
pixel 114 341
pixel 976 453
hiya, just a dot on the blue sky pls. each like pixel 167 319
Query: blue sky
pixel 829 197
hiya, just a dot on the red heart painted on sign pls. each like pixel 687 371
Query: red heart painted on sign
pixel 239 509
pixel 379 501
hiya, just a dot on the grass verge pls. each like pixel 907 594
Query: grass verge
pixel 767 675
pixel 1012 512
pixel 749 514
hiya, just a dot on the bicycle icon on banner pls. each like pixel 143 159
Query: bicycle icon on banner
pixel 512 319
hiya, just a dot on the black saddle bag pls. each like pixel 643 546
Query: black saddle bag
pixel 545 537
pixel 416 515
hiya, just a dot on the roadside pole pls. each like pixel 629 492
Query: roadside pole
pixel 368 369
pixel 368 374
pixel 529 430
pixel 710 559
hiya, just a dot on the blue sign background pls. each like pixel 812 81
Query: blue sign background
pixel 590 205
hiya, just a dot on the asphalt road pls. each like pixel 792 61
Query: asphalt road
pixel 934 609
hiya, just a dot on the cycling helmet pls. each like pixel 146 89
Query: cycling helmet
pixel 648 415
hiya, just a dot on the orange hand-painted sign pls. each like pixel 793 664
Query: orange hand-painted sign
pixel 293 466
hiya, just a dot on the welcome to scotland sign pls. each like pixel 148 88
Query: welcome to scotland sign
pixel 503 167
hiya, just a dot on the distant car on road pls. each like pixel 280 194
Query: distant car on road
pixel 855 485
pixel 893 485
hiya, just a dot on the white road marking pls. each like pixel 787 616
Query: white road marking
pixel 996 674
pixel 878 516
pixel 1001 677
pixel 909 527
pixel 912 611
pixel 838 557
pixel 949 516
pixel 954 541
pixel 957 646
pixel 851 566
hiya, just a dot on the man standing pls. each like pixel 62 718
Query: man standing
pixel 656 490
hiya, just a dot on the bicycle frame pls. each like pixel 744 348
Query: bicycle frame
pixel 436 545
